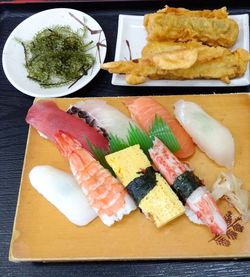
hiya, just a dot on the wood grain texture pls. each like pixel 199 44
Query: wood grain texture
pixel 37 221
pixel 13 108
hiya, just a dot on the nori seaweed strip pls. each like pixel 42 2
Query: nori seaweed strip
pixel 142 185
pixel 185 184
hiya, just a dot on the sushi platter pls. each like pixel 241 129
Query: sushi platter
pixel 139 164
pixel 37 222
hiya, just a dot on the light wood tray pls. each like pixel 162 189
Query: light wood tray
pixel 41 233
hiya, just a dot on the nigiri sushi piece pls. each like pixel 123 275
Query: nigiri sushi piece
pixel 102 116
pixel 209 134
pixel 148 188
pixel 62 191
pixel 48 119
pixel 105 193
pixel 189 188
pixel 144 109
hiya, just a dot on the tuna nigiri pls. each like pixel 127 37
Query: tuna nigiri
pixel 188 187
pixel 144 109
pixel 105 118
pixel 48 119
pixel 61 190
pixel 209 134
pixel 105 193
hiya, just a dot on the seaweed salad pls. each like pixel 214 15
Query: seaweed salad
pixel 57 56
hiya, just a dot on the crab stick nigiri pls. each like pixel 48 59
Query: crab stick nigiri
pixel 188 187
pixel 105 193
pixel 144 109
pixel 48 119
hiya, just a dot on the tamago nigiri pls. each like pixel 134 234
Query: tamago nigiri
pixel 147 187
pixel 144 109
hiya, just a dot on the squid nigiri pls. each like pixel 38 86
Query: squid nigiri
pixel 144 109
pixel 105 193
pixel 48 119
pixel 188 187
pixel 209 134
pixel 62 191
pixel 100 115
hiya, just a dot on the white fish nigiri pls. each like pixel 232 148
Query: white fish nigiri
pixel 102 116
pixel 61 190
pixel 209 134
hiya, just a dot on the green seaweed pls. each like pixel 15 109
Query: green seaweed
pixel 57 56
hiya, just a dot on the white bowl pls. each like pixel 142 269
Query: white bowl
pixel 13 58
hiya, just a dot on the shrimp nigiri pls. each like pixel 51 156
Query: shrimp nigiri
pixel 144 109
pixel 105 193
pixel 188 187
pixel 48 119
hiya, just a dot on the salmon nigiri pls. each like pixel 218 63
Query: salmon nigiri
pixel 144 109
pixel 48 119
pixel 104 192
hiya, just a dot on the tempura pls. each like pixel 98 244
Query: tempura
pixel 182 63
pixel 210 27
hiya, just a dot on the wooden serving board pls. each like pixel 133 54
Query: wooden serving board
pixel 42 233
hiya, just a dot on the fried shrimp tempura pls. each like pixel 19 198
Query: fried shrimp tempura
pixel 180 25
pixel 185 45
pixel 196 63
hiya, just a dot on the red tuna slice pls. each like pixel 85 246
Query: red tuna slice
pixel 48 119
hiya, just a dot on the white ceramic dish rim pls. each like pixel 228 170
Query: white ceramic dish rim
pixel 131 21
pixel 58 91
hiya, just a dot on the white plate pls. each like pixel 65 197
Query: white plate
pixel 13 59
pixel 131 29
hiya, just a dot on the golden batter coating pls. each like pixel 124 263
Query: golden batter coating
pixel 185 45
pixel 210 27
pixel 217 13
pixel 215 63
